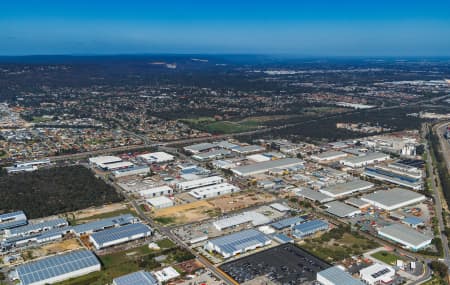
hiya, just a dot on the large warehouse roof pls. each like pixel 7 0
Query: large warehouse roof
pixel 104 223
pixel 246 217
pixel 341 210
pixel 187 185
pixel 288 222
pixel 262 167
pixel 31 228
pixel 347 188
pixel 393 199
pixel 37 272
pixel 314 195
pixel 405 235
pixel 136 278
pixel 335 275
pixel 119 233
pixel 239 241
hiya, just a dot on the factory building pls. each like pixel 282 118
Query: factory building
pixel 406 236
pixel 119 235
pixel 136 278
pixel 102 162
pixel 249 149
pixel 361 161
pixel 262 167
pixel 156 157
pixel 12 220
pixel 212 154
pixel 393 175
pixel 309 228
pixel 287 223
pixel 393 199
pixel 358 203
pixel 200 147
pixel 336 276
pixel 255 218
pixel 36 238
pixel 156 192
pixel 35 228
pixel 213 191
pixel 50 270
pixel 342 210
pixel 236 243
pixel 27 166
pixel 134 170
pixel 328 156
pixel 166 274
pixel 377 274
pixel 314 196
pixel 91 227
pixel 160 202
pixel 347 188
pixel 188 185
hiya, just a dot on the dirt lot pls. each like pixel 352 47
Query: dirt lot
pixel 50 249
pixel 239 201
pixel 86 213
pixel 186 213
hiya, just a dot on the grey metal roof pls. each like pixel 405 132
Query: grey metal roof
pixel 356 202
pixel 405 233
pixel 310 226
pixel 200 146
pixel 105 223
pixel 279 225
pixel 57 265
pixel 314 195
pixel 351 186
pixel 240 240
pixel 50 224
pixel 392 197
pixel 327 154
pixel 12 215
pixel 12 224
pixel 136 278
pixel 340 209
pixel 126 231
pixel 367 157
pixel 266 165
pixel 338 276
pixel 212 153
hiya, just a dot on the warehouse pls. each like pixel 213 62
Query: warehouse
pixel 236 243
pixel 119 235
pixel 12 220
pixel 200 147
pixel 213 191
pixel 160 202
pixel 156 192
pixel 361 161
pixel 103 161
pixel 255 218
pixel 328 156
pixel 226 145
pixel 156 157
pixel 36 228
pixel 287 223
pixel 50 270
pixel 377 274
pixel 136 278
pixel 262 167
pixel 406 236
pixel 313 195
pixel 413 222
pixel 212 154
pixel 258 158
pixel 117 165
pixel 347 188
pixel 188 185
pixel 342 210
pixel 244 150
pixel 309 228
pixel 42 237
pixel 134 170
pixel 166 274
pixel 336 276
pixel 99 225
pixel 393 199
pixel 395 177
pixel 358 203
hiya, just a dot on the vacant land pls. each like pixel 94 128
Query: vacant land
pixel 53 191
pixel 386 257
pixel 240 200
pixel 50 249
pixel 186 213
pixel 210 125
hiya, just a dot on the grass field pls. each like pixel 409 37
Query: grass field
pixel 386 257
pixel 210 125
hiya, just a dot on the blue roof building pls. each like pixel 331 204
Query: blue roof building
pixel 136 278
pixel 119 235
pixel 309 228
pixel 12 220
pixel 413 221
pixel 286 223
pixel 99 225
pixel 36 228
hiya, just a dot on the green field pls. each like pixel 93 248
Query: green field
pixel 210 125
pixel 105 215
pixel 386 257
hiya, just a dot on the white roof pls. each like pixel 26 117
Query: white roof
pixel 159 189
pixel 280 207
pixel 157 156
pixel 166 274
pixel 104 159
pixel 258 158
pixel 158 201
pixel 193 183
pixel 375 273
pixel 246 217
pixel 206 190
pixel 116 165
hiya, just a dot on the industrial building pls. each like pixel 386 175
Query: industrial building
pixel 166 274
pixel 347 188
pixel 156 192
pixel 258 157
pixel 12 220
pixel 244 150
pixel 342 210
pixel 413 222
pixel 36 228
pixel 213 191
pixel 212 154
pixel 361 161
pixel 134 170
pixel 119 235
pixel 309 228
pixel 156 157
pixel 200 147
pixel 328 156
pixel 102 162
pixel 91 227
pixel 236 243
pixel 314 196
pixel 336 276
pixel 262 167
pixel 188 185
pixel 255 218
pixel 406 236
pixel 160 202
pixel 280 207
pixel 392 199
pixel 377 274
pixel 37 238
pixel 50 270
pixel 394 176
pixel 136 278
pixel 287 223
pixel 358 203
pixel 27 166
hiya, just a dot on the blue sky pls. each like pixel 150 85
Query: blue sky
pixel 303 28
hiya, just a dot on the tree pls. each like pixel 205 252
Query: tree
pixel 439 268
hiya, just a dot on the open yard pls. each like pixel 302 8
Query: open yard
pixel 186 213
pixel 240 200
pixel 386 257
pixel 50 249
